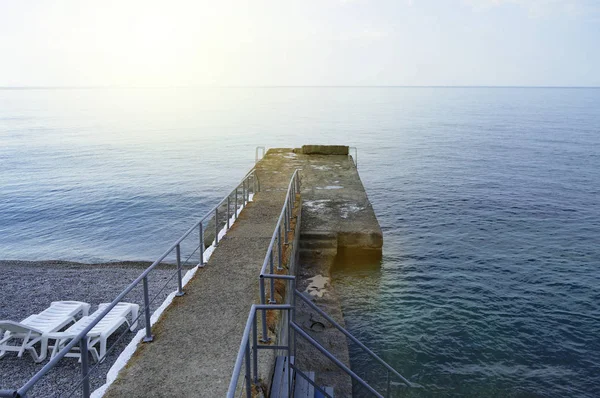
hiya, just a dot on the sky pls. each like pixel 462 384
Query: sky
pixel 308 42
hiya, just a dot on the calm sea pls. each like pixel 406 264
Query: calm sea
pixel 489 200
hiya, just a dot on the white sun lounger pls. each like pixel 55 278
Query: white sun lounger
pixel 35 328
pixel 100 333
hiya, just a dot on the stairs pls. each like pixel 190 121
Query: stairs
pixel 317 243
pixel 301 387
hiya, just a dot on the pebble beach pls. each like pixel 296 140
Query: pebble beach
pixel 30 287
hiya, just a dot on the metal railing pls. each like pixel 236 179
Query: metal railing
pixel 248 352
pixel 256 157
pixel 279 238
pixel 355 158
pixel 390 371
pixel 249 183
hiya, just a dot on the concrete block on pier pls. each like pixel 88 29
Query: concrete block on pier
pixel 324 149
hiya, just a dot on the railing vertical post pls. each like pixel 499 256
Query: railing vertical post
pixel 292 195
pixel 293 298
pixel 280 249
pixel 83 350
pixel 289 355
pixel 179 279
pixel 272 297
pixel 265 336
pixel 248 375
pixel 248 190
pixel 244 192
pixel 388 385
pixel 288 217
pixel 255 346
pixel 148 338
pixel 286 227
pixel 217 226
pixel 201 234
pixel 228 211
pixel 236 202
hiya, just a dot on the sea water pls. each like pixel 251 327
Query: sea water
pixel 489 199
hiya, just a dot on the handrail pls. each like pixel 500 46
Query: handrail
pixel 240 358
pixel 355 155
pixel 248 353
pixel 206 216
pixel 256 158
pixel 279 235
pixel 244 351
pixel 81 337
pixel 291 191
pixel 285 217
pixel 300 373
pixel 333 359
pixel 351 337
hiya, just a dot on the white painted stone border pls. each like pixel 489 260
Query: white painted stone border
pixel 128 352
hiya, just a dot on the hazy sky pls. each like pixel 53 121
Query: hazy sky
pixel 279 42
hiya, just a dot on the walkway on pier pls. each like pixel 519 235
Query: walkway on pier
pixel 197 338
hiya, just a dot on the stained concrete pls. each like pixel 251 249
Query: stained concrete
pixel 337 220
pixel 197 338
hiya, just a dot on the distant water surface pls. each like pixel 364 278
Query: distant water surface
pixel 489 199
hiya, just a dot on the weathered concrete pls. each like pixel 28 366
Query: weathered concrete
pixel 335 204
pixel 197 339
pixel 337 220
pixel 323 150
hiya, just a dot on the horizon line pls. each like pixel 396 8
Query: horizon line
pixel 282 86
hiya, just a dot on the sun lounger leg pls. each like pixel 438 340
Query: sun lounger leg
pixel 43 350
pixel 134 317
pixel 103 346
pixel 24 345
pixel 95 355
pixel 55 348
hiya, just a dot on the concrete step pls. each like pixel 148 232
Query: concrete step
pixel 312 253
pixel 302 388
pixel 318 235
pixel 318 244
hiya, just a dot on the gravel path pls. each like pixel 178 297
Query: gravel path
pixel 29 287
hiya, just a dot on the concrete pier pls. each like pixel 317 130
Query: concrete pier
pixel 338 223
pixel 197 338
